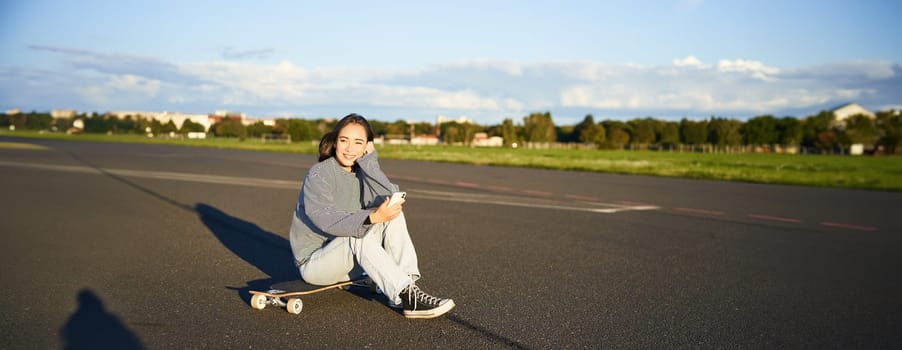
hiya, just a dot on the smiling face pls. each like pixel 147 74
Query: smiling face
pixel 350 145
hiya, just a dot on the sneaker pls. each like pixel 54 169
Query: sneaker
pixel 418 304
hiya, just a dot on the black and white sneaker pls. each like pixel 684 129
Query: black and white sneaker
pixel 418 304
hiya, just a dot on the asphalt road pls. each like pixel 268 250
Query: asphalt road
pixel 156 246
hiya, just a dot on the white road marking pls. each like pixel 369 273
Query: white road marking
pixel 461 197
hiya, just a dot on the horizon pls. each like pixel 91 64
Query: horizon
pixel 449 119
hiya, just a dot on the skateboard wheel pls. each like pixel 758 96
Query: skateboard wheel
pixel 258 301
pixel 295 305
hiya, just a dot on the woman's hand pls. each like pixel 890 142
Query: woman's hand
pixel 385 212
pixel 370 147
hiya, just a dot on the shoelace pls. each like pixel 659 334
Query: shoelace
pixel 420 297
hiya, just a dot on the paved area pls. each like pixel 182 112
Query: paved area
pixel 156 246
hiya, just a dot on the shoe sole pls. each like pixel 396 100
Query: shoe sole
pixel 431 313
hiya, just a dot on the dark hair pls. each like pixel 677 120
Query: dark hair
pixel 327 144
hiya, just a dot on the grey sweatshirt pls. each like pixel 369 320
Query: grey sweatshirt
pixel 336 203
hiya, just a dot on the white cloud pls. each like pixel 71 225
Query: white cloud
pixel 688 61
pixel 487 89
pixel 119 90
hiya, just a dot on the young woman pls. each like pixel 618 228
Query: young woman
pixel 343 225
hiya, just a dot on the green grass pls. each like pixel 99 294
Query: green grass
pixel 861 172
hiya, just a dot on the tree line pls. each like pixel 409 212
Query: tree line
pixel 818 132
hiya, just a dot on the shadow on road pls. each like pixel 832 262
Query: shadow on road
pixel 92 327
pixel 268 252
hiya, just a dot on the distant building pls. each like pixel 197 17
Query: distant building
pixel 164 117
pixel 62 113
pixel 429 140
pixel 460 120
pixel 179 119
pixel 247 121
pixel 13 111
pixel 481 139
pixel 848 110
pixel 844 112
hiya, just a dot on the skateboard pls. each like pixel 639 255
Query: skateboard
pixel 288 294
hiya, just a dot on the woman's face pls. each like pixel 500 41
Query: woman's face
pixel 350 145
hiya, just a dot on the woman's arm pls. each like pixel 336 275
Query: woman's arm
pixel 319 205
pixel 373 175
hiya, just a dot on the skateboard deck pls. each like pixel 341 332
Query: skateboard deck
pixel 288 294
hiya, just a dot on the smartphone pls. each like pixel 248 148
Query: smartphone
pixel 397 197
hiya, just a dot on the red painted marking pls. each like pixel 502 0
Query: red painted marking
pixel 440 182
pixel 774 218
pixel 467 184
pixel 538 193
pixel 582 198
pixel 500 188
pixel 699 211
pixel 848 226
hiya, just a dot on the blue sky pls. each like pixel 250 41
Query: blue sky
pixel 487 60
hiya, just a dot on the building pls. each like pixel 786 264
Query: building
pixel 62 113
pixel 179 119
pixel 460 120
pixel 165 117
pixel 848 110
pixel 481 139
pixel 247 121
pixel 424 140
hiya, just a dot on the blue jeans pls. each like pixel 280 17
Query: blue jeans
pixel 385 253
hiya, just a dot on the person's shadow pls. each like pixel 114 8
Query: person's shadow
pixel 268 252
pixel 92 327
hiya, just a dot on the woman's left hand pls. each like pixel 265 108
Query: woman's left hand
pixel 385 212
pixel 370 147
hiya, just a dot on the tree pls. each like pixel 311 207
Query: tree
pixel 617 133
pixel 724 132
pixel 191 126
pixel 452 132
pixel 814 127
pixel 258 129
pixel 889 124
pixel 694 132
pixel 588 131
pixel 61 124
pixel 642 131
pixel 170 127
pixel 229 127
pixel 141 125
pixel 125 125
pixel 789 131
pixel 826 140
pixel 300 129
pixel 859 129
pixel 38 121
pixel 538 127
pixel 95 124
pixel 670 134
pixel 565 133
pixel 398 129
pixel 379 127
pixel 424 128
pixel 509 132
pixel 760 130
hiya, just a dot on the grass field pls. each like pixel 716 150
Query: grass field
pixel 862 172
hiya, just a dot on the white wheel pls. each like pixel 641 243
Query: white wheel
pixel 295 305
pixel 258 301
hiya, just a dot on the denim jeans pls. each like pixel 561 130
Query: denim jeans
pixel 385 253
